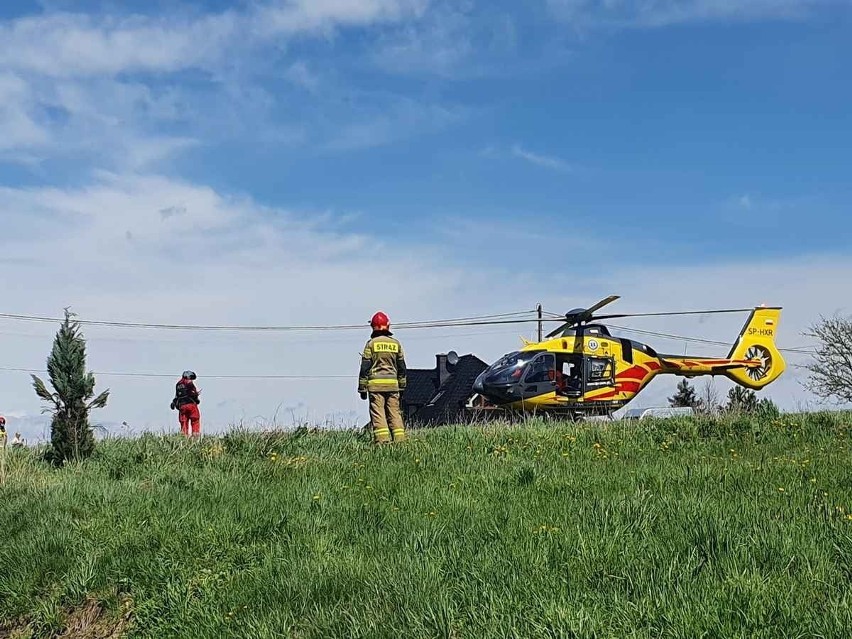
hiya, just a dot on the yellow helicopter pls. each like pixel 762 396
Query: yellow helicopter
pixel 582 369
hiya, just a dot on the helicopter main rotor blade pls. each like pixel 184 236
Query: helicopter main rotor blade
pixel 578 319
pixel 565 326
pixel 602 303
pixel 668 313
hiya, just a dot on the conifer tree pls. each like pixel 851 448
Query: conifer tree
pixel 685 396
pixel 768 409
pixel 70 403
pixel 742 400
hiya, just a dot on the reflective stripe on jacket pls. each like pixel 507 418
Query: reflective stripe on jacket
pixel 382 365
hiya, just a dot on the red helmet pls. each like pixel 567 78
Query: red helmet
pixel 380 322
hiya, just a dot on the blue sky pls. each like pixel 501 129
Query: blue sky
pixel 492 111
pixel 556 147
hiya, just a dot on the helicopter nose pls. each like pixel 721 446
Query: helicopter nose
pixel 479 385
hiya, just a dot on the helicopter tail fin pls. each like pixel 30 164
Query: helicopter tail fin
pixel 756 343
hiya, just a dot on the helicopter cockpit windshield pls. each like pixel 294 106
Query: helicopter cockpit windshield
pixel 509 369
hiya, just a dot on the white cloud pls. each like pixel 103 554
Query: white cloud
pixel 457 41
pixel 73 44
pixel 103 87
pixel 441 44
pixel 540 159
pixel 67 45
pixel 520 153
pixel 299 73
pixel 106 122
pixel 394 119
pixel 660 13
pixel 294 16
pixel 18 127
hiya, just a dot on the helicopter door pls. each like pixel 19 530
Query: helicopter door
pixel 570 375
pixel 540 377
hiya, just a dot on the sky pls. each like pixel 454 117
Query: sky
pixel 312 161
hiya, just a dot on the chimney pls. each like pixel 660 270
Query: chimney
pixel 443 369
pixel 446 363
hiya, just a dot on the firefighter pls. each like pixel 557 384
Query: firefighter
pixel 382 379
pixel 3 433
pixel 186 402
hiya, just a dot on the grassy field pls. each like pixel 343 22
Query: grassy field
pixel 697 528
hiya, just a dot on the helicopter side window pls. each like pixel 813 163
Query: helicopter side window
pixel 600 371
pixel 541 370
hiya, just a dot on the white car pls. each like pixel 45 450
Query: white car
pixel 660 412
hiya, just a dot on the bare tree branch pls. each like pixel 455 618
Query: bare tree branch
pixel 831 367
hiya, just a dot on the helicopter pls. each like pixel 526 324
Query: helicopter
pixel 581 369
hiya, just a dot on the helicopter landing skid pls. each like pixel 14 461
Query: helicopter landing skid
pixel 494 413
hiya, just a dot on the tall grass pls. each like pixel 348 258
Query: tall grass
pixel 677 528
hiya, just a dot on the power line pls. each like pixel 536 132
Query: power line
pixel 716 311
pixel 174 376
pixel 262 338
pixel 698 340
pixel 517 317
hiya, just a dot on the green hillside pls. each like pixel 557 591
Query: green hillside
pixel 697 528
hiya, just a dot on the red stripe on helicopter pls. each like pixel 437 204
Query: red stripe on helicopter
pixel 628 387
pixel 636 372
pixel 620 387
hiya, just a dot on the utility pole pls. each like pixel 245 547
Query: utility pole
pixel 538 310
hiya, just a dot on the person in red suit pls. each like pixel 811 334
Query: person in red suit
pixel 186 402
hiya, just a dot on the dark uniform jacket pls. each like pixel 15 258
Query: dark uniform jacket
pixel 185 393
pixel 382 365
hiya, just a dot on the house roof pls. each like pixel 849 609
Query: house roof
pixel 429 402
pixel 422 386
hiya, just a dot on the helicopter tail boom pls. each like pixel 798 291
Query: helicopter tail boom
pixel 756 343
pixel 753 362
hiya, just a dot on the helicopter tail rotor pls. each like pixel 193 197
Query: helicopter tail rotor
pixel 756 344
